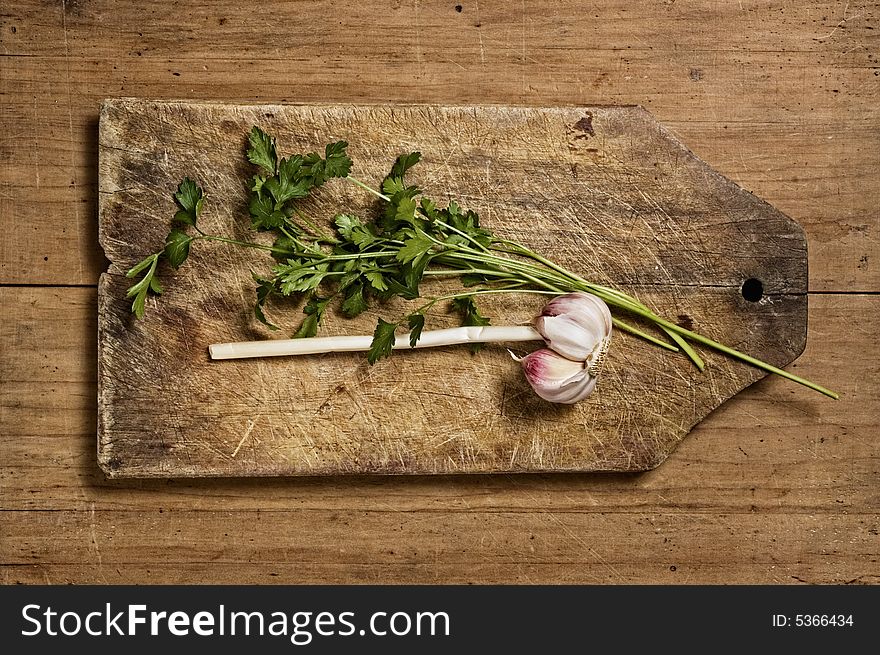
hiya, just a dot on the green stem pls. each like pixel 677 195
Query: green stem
pixel 626 327
pixel 465 271
pixel 368 188
pixel 460 233
pixel 341 258
pixel 706 341
pixel 504 264
pixel 687 348
pixel 480 292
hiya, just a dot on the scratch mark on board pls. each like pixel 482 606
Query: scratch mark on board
pixel 247 433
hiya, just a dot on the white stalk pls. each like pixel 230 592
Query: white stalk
pixel 344 344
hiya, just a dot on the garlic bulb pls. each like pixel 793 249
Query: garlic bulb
pixel 557 379
pixel 576 325
pixel 577 330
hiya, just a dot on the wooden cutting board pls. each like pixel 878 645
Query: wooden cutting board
pixel 605 191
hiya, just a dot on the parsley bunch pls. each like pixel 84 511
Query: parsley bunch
pixel 411 240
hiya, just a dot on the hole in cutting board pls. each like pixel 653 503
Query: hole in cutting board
pixel 752 289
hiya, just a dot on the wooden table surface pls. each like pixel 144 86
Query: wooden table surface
pixel 780 485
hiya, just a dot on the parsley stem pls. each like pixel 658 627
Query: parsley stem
pixel 504 263
pixel 469 271
pixel 342 258
pixel 742 356
pixel 626 327
pixel 368 188
pixel 324 257
pixel 486 292
pixel 460 233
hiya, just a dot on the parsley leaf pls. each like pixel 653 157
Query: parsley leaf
pixel 285 247
pixel 363 238
pixel 177 247
pixel 300 277
pixel 392 186
pixel 393 182
pixel 414 248
pixel 354 303
pixel 345 224
pixel 352 229
pixel 467 222
pixel 406 209
pixel 383 341
pixel 337 162
pixel 190 198
pixel 413 273
pixel 262 150
pixel 145 263
pixel 377 280
pixel 314 310
pixel 147 284
pixel 264 215
pixel 406 283
pixel 402 209
pixel 265 288
pixel 403 163
pixel 313 168
pixel 288 184
pixel 401 206
pixel 416 323
pixel 470 315
pixel 257 183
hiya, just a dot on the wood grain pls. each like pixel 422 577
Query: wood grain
pixel 606 192
pixel 800 482
pixel 524 546
pixel 774 486
pixel 782 101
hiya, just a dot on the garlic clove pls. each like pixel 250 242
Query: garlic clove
pixel 557 379
pixel 575 325
pixel 579 301
pixel 570 335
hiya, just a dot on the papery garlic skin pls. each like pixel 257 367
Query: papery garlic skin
pixel 557 379
pixel 575 325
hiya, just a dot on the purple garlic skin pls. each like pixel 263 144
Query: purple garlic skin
pixel 575 325
pixel 557 379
